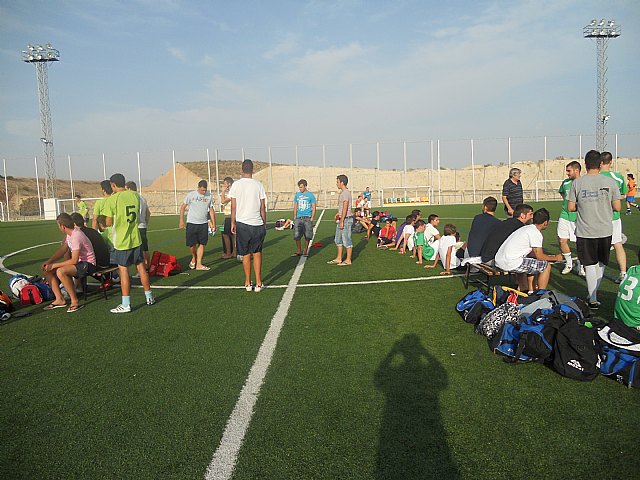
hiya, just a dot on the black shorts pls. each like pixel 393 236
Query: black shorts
pixel 125 258
pixel 249 238
pixel 84 269
pixel 227 227
pixel 376 231
pixel 592 251
pixel 197 234
pixel 143 236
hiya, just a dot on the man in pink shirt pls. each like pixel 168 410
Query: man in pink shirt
pixel 78 260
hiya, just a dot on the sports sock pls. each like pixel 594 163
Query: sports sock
pixel 126 301
pixel 592 272
pixel 568 259
pixel 148 294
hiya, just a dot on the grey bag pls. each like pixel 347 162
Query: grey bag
pixel 492 321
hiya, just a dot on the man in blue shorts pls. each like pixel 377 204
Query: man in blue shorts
pixel 344 222
pixel 248 223
pixel 304 211
pixel 200 213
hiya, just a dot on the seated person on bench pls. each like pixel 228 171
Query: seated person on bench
pixel 482 226
pixel 522 253
pixel 81 263
pixel 100 247
pixel 522 216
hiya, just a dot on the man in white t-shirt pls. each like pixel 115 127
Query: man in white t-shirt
pixel 200 213
pixel 248 223
pixel 522 253
pixel 431 233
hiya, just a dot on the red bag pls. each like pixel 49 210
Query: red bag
pixel 30 295
pixel 163 265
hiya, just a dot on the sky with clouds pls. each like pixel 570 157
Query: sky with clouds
pixel 150 76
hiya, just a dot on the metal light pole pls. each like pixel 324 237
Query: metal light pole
pixel 41 56
pixel 602 31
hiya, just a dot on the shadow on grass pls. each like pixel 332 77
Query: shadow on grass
pixel 413 441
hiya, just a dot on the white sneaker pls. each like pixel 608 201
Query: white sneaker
pixel 581 271
pixel 151 300
pixel 258 288
pixel 248 288
pixel 121 309
pixel 567 269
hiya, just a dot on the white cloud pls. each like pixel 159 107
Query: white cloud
pixel 285 46
pixel 177 53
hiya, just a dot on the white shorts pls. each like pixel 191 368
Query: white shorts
pixel 616 237
pixel 567 229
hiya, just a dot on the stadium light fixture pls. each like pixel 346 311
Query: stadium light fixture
pixel 601 31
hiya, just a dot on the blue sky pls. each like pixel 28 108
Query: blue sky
pixel 156 75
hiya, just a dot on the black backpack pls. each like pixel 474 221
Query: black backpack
pixel 575 350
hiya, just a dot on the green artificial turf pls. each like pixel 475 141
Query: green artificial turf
pixel 368 380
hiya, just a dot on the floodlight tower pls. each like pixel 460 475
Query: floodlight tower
pixel 41 56
pixel 602 31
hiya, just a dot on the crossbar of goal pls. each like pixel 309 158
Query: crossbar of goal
pixel 68 205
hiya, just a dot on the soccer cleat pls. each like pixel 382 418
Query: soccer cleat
pixel 121 309
pixel 594 305
pixel 151 300
pixel 620 278
pixel 567 269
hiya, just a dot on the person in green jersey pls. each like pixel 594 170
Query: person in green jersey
pixel 616 238
pixel 567 221
pixel 105 185
pixel 82 208
pixel 627 307
pixel 122 215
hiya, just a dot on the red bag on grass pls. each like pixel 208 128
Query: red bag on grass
pixel 163 265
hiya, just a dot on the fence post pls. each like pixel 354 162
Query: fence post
pixel 104 168
pixel 404 167
pixel 509 153
pixel 473 173
pixel 139 175
pixel 439 183
pixel 545 161
pixel 71 179
pixel 378 173
pixel 38 186
pixel 271 178
pixel 175 185
pixel 322 176
pixel 6 190
pixel 615 166
pixel 217 177
pixel 580 143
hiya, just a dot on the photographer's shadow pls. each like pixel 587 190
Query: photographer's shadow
pixel 413 441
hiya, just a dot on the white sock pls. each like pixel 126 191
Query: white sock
pixel 594 274
pixel 568 259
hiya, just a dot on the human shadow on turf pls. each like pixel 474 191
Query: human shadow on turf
pixel 413 441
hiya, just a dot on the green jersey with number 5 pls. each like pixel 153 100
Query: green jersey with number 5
pixel 123 207
pixel 627 306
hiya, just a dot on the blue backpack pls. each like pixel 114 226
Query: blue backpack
pixel 620 353
pixel 473 306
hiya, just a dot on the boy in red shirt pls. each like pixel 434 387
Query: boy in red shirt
pixel 387 234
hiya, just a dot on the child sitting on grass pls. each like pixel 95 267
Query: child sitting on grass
pixel 447 250
pixel 405 240
pixel 387 234
pixel 419 241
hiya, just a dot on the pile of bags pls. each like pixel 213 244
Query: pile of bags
pixel 552 328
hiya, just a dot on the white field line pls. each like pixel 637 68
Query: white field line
pixel 226 455
pixel 3 258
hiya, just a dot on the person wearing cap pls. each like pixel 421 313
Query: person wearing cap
pixel 512 193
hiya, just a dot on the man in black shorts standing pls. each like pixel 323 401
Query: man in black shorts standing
pixel 512 193
pixel 248 223
pixel 595 197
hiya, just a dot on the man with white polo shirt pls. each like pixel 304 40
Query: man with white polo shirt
pixel 522 253
pixel 567 221
pixel 616 238
pixel 248 223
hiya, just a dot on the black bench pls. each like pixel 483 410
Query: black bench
pixel 489 275
pixel 102 275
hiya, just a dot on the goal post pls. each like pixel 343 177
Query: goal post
pixel 419 195
pixel 68 205
pixel 548 189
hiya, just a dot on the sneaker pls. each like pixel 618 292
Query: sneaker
pixel 248 288
pixel 620 278
pixel 258 288
pixel 151 300
pixel 566 270
pixel 121 309
pixel 594 305
pixel 628 212
pixel 581 271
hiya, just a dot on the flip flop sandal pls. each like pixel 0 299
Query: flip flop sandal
pixel 343 264
pixel 305 254
pixel 52 306
pixel 192 265
pixel 334 262
pixel 296 254
pixel 74 308
pixel 203 268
